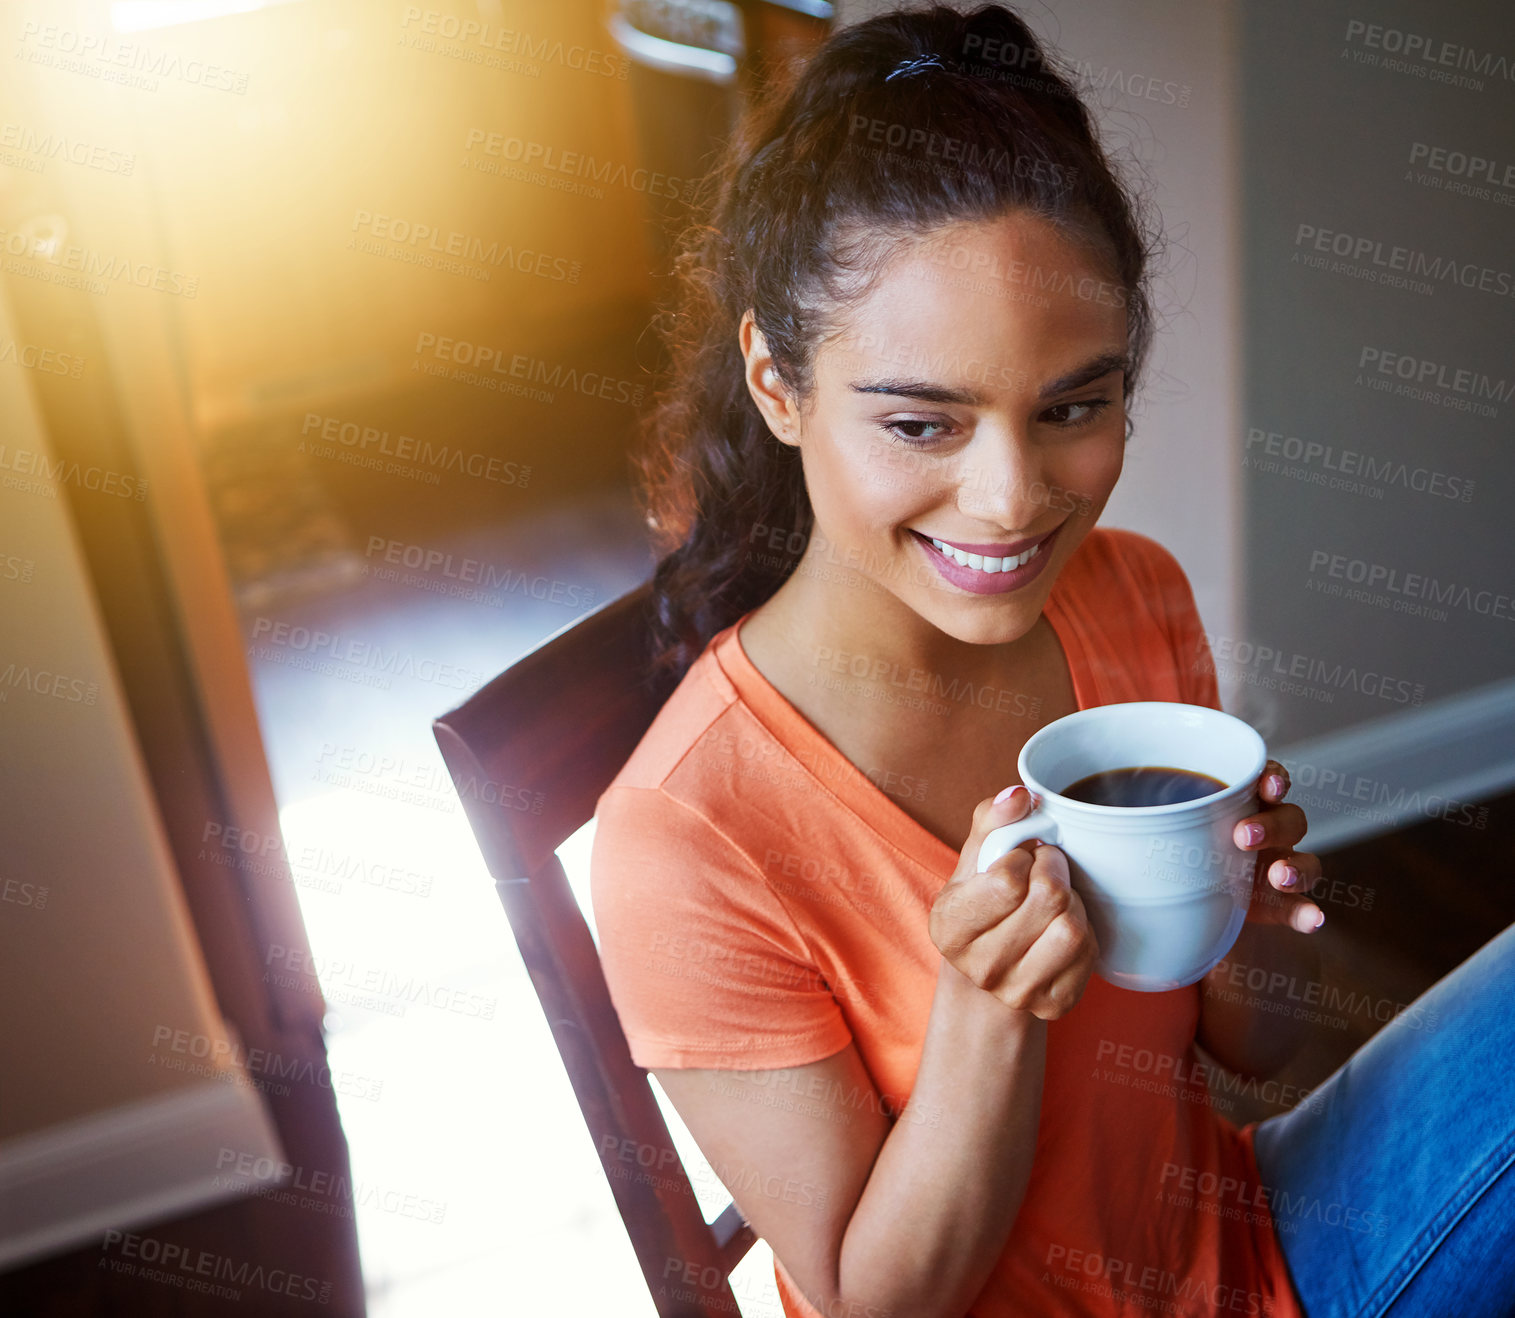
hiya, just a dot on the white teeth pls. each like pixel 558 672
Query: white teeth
pixel 987 565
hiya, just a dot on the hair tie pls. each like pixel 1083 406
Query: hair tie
pixel 915 65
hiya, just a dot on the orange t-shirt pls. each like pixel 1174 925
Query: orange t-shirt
pixel 760 901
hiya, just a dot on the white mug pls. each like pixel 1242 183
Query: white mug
pixel 1165 887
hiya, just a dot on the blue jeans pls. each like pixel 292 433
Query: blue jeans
pixel 1393 1185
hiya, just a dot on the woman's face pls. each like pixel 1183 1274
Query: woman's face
pixel 975 399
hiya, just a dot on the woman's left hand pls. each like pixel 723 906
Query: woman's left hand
pixel 1283 875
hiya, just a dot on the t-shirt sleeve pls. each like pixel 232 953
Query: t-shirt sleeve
pixel 1173 601
pixel 1191 647
pixel 704 965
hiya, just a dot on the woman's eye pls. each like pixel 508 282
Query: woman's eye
pixel 911 430
pixel 1072 415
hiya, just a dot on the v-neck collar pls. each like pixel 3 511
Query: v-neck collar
pixel 809 745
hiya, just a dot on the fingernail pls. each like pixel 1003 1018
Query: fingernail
pixel 1276 784
pixel 1009 792
pixel 1251 834
pixel 1320 919
pixel 1290 878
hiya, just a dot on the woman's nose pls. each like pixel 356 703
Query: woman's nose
pixel 997 484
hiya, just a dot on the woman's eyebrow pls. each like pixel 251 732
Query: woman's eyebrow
pixel 922 389
pixel 929 392
pixel 1087 373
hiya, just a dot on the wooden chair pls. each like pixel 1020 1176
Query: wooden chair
pixel 530 753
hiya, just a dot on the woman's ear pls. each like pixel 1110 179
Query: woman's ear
pixel 763 383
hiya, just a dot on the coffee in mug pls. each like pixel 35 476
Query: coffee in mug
pixel 1146 784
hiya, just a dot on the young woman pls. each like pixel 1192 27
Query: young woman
pixel 907 333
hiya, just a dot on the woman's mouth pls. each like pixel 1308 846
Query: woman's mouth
pixel 988 569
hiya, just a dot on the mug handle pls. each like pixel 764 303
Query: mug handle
pixel 1007 837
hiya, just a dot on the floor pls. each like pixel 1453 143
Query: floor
pixel 1401 911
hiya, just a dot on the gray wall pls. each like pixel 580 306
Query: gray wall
pixel 1329 136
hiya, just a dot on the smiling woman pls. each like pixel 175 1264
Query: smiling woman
pixel 970 298
pixel 909 324
pixel 1057 421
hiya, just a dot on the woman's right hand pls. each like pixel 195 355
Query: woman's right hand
pixel 1018 930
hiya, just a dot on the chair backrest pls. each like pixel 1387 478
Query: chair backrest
pixel 530 753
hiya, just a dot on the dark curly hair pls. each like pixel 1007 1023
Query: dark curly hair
pixel 828 175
